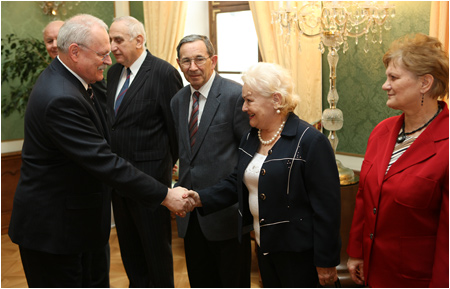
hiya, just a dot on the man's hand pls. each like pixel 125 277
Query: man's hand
pixel 356 268
pixel 194 196
pixel 327 275
pixel 175 202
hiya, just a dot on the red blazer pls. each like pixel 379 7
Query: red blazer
pixel 400 224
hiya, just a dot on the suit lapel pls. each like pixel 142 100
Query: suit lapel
pixel 211 106
pixel 423 147
pixel 111 91
pixel 96 116
pixel 184 119
pixel 136 85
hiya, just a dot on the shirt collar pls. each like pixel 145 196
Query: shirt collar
pixel 138 63
pixel 204 90
pixel 84 83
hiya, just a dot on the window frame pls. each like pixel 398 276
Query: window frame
pixel 216 7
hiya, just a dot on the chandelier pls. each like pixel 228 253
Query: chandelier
pixel 334 22
pixel 57 8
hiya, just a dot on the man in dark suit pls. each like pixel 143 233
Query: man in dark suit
pixel 214 256
pixel 61 215
pixel 142 131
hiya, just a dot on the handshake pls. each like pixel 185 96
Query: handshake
pixel 181 200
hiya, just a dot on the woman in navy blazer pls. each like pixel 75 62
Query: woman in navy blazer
pixel 287 185
pixel 399 234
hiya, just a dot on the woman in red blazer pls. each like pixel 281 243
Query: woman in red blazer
pixel 399 235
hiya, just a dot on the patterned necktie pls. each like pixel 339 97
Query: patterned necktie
pixel 122 91
pixel 193 123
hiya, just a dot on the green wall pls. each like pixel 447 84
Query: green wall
pixel 360 77
pixel 26 19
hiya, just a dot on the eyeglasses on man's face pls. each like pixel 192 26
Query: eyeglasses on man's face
pixel 199 61
pixel 103 56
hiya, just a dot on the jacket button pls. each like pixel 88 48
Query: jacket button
pixel 374 211
pixel 371 236
pixel 269 152
pixel 263 172
pixel 262 196
pixel 262 221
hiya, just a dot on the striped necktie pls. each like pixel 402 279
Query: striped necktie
pixel 122 91
pixel 193 123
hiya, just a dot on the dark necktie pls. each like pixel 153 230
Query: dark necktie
pixel 90 92
pixel 122 91
pixel 193 123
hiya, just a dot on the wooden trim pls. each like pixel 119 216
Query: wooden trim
pixel 11 163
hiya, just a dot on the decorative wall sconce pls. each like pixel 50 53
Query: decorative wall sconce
pixel 334 22
pixel 56 8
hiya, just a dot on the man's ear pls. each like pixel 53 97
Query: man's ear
pixel 139 41
pixel 74 52
pixel 213 61
pixel 427 82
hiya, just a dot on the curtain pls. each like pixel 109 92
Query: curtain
pixel 305 65
pixel 164 26
pixel 439 24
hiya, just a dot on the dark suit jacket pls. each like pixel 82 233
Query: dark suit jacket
pixel 215 152
pixel 299 204
pixel 400 224
pixel 143 131
pixel 60 205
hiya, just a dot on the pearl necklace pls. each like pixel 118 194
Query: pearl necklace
pixel 268 142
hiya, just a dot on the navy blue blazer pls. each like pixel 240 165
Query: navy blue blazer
pixel 299 204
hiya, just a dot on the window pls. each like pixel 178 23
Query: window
pixel 233 35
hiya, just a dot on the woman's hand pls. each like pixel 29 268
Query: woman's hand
pixel 356 268
pixel 327 275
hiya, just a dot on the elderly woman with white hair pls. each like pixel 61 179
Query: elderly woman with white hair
pixel 287 184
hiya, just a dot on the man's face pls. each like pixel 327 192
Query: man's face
pixel 50 35
pixel 197 75
pixel 92 60
pixel 125 51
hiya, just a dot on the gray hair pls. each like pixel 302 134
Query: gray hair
pixel 269 78
pixel 77 30
pixel 135 27
pixel 195 37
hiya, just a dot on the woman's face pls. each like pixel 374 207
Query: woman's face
pixel 261 110
pixel 402 86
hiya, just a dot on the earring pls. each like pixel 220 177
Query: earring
pixel 421 103
pixel 278 111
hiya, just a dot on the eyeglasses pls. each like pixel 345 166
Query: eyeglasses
pixel 199 61
pixel 103 56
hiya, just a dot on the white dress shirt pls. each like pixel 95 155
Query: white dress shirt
pixel 204 91
pixel 134 70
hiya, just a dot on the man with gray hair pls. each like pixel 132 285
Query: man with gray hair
pixel 210 124
pixel 140 87
pixel 61 217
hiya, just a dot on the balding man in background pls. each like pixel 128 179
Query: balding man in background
pixel 50 34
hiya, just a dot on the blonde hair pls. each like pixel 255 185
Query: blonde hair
pixel 269 78
pixel 421 55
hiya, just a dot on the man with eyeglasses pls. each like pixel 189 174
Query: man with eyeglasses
pixel 208 153
pixel 61 217
pixel 140 87
pixel 50 35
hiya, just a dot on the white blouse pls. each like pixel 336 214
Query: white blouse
pixel 251 178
